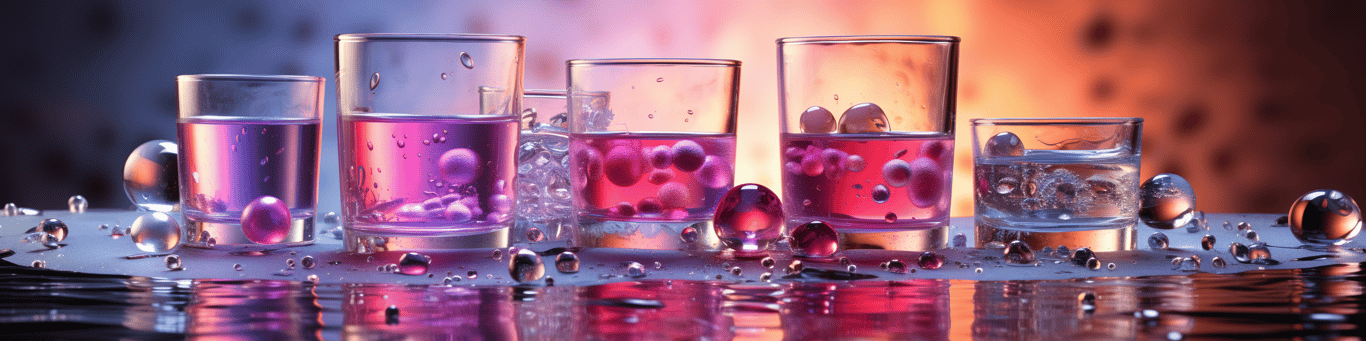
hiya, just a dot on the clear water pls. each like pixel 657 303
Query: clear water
pixel 623 176
pixel 1056 190
pixel 867 181
pixel 278 157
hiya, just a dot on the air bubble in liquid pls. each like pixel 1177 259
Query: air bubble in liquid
pixel 151 176
pixel 880 194
pixel 688 155
pixel 896 173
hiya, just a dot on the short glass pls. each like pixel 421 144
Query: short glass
pixel 427 139
pixel 661 150
pixel 1056 174
pixel 867 131
pixel 544 206
pixel 243 137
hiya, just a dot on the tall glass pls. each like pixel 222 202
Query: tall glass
pixel 426 150
pixel 244 137
pixel 867 131
pixel 656 158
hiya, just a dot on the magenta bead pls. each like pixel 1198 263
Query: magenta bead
pixel 660 176
pixel 927 183
pixel 624 166
pixel 929 260
pixel 589 163
pixel 674 195
pixel 937 151
pixel 749 218
pixel 266 220
pixel 896 173
pixel 815 239
pixel 459 166
pixel 661 157
pixel 688 155
pixel 715 173
pixel 650 206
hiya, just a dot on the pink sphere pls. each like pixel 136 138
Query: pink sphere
pixel 660 176
pixel 926 184
pixel 812 165
pixel 715 173
pixel 459 166
pixel 661 156
pixel 589 163
pixel 266 220
pixel 688 155
pixel 624 166
pixel 749 218
pixel 896 172
pixel 674 195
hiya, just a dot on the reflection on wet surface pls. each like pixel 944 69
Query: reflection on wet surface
pixel 46 304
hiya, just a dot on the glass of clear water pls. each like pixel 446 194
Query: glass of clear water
pixel 1056 174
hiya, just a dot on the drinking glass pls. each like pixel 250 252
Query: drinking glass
pixel 242 138
pixel 427 150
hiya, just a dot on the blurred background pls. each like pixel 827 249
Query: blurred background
pixel 1255 102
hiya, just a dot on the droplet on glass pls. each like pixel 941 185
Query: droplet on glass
pixel 39 264
pixel 11 210
pixel 444 76
pixel 151 176
pixel 1111 266
pixel 1218 263
pixel 1207 242
pixel 896 266
pixel 767 262
pixel 1168 201
pixel 1239 252
pixel 155 232
pixel 815 239
pixel 472 274
pixel 466 60
pixel 766 276
pixel 1260 254
pixel 173 263
pixel 880 194
pixel 237 267
pixel 497 254
pixel 534 234
pixel 77 204
pixel 1004 144
pixel 1007 185
pixel 930 260
pixel 1081 255
pixel 736 271
pixel 795 267
pixel 414 263
pixel 459 166
pixel 525 265
pixel 1325 217
pixel 749 218
pixel 890 217
pixel 863 118
pixel 308 262
pixel 266 220
pixel 312 278
pixel 1251 235
pixel 659 80
pixel 1019 252
pixel 289 263
pixel 688 235
pixel 635 270
pixel 1158 241
pixel 1093 264
pixel 374 80
pixel 818 120
pixel 567 262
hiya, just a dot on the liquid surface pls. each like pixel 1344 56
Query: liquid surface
pixel 1056 190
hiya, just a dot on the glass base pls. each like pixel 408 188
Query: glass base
pixel 649 235
pixel 229 237
pixel 908 240
pixel 1099 240
pixel 366 241
pixel 558 232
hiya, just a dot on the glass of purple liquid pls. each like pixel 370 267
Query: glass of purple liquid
pixel 427 139
pixel 249 143
pixel 652 149
pixel 867 135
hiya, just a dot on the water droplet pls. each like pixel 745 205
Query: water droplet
pixel 525 265
pixel 1081 255
pixel 880 194
pixel 863 118
pixel 237 267
pixel 156 232
pixel 11 210
pixel 795 267
pixel 534 235
pixel 459 166
pixel 767 262
pixel 331 218
pixel 312 278
pixel 815 239
pixel 854 163
pixel 40 264
pixel 1111 266
pixel 817 120
pixel 1207 242
pixel 444 75
pixel 391 315
pixel 308 262
pixel 1325 217
pixel 1004 144
pixel 374 80
pixel 960 240
pixel 1251 235
pixel 890 217
pixel 929 260
pixel 151 176
pixel 896 266
pixel 635 270
pixel 266 220
pixel 414 263
pixel 1243 225
pixel 1093 264
pixel 1168 201
pixel 77 204
pixel 766 276
pixel 450 280
pixel 1218 263
pixel 1260 254
pixel 1019 252
pixel 1158 241
pixel 1239 252
pixel 977 270
pixel 748 218
pixel 466 60
pixel 55 227
pixel 402 144
pixel 497 254
pixel 173 263
pixel 688 235
pixel 567 262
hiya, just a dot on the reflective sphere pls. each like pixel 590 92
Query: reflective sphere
pixel 749 218
pixel 151 176
pixel 155 232
pixel 54 227
pixel 818 120
pixel 1004 144
pixel 863 118
pixel 815 239
pixel 413 263
pixel 1168 201
pixel 266 220
pixel 1325 217
pixel 459 166
pixel 525 265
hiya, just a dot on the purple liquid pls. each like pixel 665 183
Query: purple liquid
pixel 395 178
pixel 822 180
pixel 651 176
pixel 229 163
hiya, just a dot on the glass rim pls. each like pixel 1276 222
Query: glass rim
pixel 654 61
pixel 450 37
pixel 545 92
pixel 1044 121
pixel 249 78
pixel 869 39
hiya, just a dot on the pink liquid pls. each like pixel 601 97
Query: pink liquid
pixel 824 179
pixel 393 178
pixel 615 175
pixel 229 163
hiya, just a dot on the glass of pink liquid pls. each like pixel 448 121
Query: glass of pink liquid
pixel 652 149
pixel 427 139
pixel 867 130
pixel 243 137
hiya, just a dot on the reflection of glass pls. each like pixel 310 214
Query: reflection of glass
pixel 915 309
pixel 428 313
pixel 1056 174
pixel 276 310
pixel 243 137
pixel 426 147
pixel 867 130
pixel 638 310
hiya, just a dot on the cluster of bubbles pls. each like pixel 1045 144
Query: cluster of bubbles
pixel 543 190
pixel 625 163
pixel 1042 189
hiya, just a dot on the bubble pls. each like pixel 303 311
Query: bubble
pixel 896 266
pixel 391 315
pixel 40 264
pixel 567 262
pixel 155 232
pixel 1325 217
pixel 466 60
pixel 534 235
pixel 623 209
pixel 937 151
pixel 880 194
pixel 472 274
pixel 1239 252
pixel 525 265
pixel 459 166
pixel 749 218
pixel 77 204
pixel 331 218
pixel 450 280
pixel 151 176
pixel 661 157
pixel 173 263
pixel 52 226
pixel 1260 254
pixel 444 76
pixel 765 277
pixel 374 80
pixel 1207 242
pixel 960 240
pixel 977 270
pixel 1243 225
pixel 767 262
pixel 1018 252
pixel 736 271
pixel 624 166
pixel 818 120
pixel 854 163
pixel 929 260
pixel 266 220
pixel 1158 241
pixel 308 262
pixel 1111 266
pixel 1217 263
pixel 414 263
pixel 312 278
pixel 1251 235
pixel 890 217
pixel 1007 185
pixel 11 210
pixel 1168 201
pixel 688 155
pixel 497 254
pixel 926 183
pixel 635 270
pixel 289 263
pixel 674 195
pixel 688 235
pixel 795 267
pixel 1004 144
pixel 815 239
pixel 896 173
pixel 1081 255
pixel 863 118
